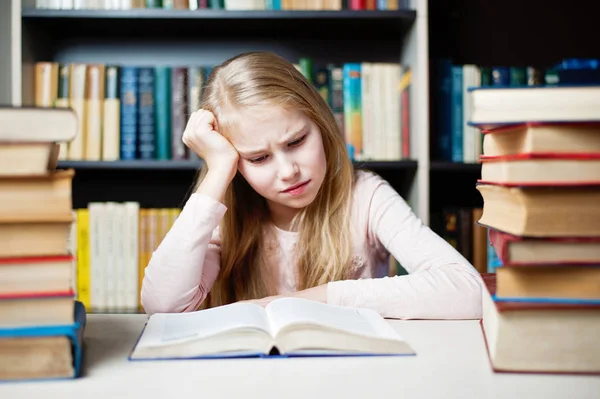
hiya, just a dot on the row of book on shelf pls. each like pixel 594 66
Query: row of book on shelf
pixel 540 184
pixel 457 141
pixel 41 322
pixel 193 5
pixel 140 112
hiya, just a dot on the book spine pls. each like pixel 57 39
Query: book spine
pixel 111 118
pixel 195 83
pixel 405 88
pixel 352 109
pixel 129 109
pixel 130 254
pixel 306 67
pixel 62 101
pixel 485 76
pixel 444 126
pixel 77 95
pixel 217 4
pixel 143 256
pixel 500 76
pixel 518 76
pixel 162 93
pixel 83 258
pixel 336 93
pixel 94 104
pixel 146 124
pixel 456 102
pixel 178 112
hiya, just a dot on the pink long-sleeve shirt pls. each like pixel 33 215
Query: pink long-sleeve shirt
pixel 441 283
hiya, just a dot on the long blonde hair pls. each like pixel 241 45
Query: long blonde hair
pixel 323 251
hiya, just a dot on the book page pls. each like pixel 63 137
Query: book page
pixel 167 328
pixel 288 311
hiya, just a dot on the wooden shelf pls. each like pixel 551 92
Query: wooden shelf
pixel 131 165
pixel 158 23
pixel 194 165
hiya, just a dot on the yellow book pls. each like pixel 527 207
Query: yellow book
pixel 46 83
pixel 83 258
pixel 142 252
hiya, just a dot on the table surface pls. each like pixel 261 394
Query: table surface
pixel 451 362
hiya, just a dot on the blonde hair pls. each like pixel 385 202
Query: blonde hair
pixel 323 251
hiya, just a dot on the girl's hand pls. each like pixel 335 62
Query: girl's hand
pixel 201 136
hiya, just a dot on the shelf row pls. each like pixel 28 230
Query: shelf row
pixel 194 165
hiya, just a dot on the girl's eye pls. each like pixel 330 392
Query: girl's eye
pixel 297 142
pixel 258 160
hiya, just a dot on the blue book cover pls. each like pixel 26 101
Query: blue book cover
pixel 352 93
pixel 129 111
pixel 444 110
pixel 146 142
pixel 74 332
pixel 456 116
pixel 162 93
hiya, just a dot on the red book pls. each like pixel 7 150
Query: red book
pixel 515 250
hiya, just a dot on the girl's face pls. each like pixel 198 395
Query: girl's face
pixel 281 157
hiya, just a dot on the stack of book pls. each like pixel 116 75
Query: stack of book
pixel 540 183
pixel 41 324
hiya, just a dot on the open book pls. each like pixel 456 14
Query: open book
pixel 285 327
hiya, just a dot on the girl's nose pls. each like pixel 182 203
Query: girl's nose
pixel 287 169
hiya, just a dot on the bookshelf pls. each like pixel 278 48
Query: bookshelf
pixel 540 33
pixel 208 37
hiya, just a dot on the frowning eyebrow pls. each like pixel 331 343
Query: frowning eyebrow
pixel 288 137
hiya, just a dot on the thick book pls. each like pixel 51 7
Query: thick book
pixel 287 327
pixel 542 169
pixel 540 337
pixel 549 283
pixel 572 211
pixel 37 124
pixel 542 138
pixel 501 105
pixel 530 251
pixel 43 352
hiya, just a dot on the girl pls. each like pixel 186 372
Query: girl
pixel 280 211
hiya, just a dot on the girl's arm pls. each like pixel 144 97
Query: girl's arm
pixel 185 265
pixel 441 283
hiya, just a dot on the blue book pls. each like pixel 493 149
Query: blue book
pixel 74 332
pixel 146 142
pixel 456 113
pixel 444 109
pixel 280 329
pixel 129 112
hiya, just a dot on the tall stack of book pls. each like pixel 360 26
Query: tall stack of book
pixel 540 183
pixel 41 324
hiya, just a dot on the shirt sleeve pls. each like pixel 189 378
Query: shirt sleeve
pixel 184 267
pixel 441 283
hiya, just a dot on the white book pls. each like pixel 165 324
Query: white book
pixel 367 111
pixel 131 256
pixel 120 266
pixel 245 5
pixel 97 215
pixel 287 326
pixel 471 135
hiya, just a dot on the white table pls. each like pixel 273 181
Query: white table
pixel 451 363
